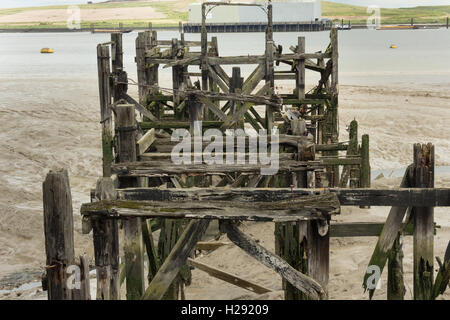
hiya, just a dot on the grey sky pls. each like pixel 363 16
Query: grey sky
pixel 381 3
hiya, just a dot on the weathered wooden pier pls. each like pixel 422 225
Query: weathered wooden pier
pixel 142 191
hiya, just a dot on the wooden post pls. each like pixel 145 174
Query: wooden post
pixel 300 77
pixel 318 254
pixel 365 162
pixel 395 286
pixel 58 228
pixel 105 110
pixel 236 87
pixel 332 110
pixel 119 75
pixel 133 242
pixel 269 72
pixel 106 246
pixel 141 74
pixel 177 78
pixel 423 177
pixel 204 50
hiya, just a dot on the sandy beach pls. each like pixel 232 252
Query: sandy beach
pixel 39 133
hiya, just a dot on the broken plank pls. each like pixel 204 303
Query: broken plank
pixel 145 142
pixel 307 285
pixel 228 277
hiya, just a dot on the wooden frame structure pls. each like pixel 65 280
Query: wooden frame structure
pixel 136 165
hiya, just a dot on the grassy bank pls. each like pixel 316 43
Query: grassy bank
pixel 175 11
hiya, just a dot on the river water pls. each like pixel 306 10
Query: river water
pixel 422 56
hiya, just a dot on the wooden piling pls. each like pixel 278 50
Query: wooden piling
pixel 423 177
pixel 106 246
pixel 395 284
pixel 104 71
pixel 133 242
pixel 318 244
pixel 58 229
pixel 300 70
pixel 365 162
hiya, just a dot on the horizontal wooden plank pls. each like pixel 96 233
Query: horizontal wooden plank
pixel 210 245
pixel 308 207
pixel 361 229
pixel 407 197
pixel 155 156
pixel 165 168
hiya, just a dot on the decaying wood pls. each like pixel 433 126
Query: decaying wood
pixel 145 142
pixel 104 72
pixel 58 229
pixel 139 107
pixel 437 197
pixel 133 242
pixel 260 100
pixel 442 278
pixel 423 243
pixel 299 209
pixel 308 286
pixel 106 246
pixel 363 229
pixel 154 168
pixel 395 286
pixel 390 231
pixel 176 260
pixel 228 277
pixel 210 245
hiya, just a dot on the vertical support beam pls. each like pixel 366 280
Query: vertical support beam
pixel 58 228
pixel 270 75
pixel 106 246
pixel 300 77
pixel 236 84
pixel 105 109
pixel 133 242
pixel 140 63
pixel 318 243
pixel 85 285
pixel 213 87
pixel 365 162
pixel 395 286
pixel 423 224
pixel 120 77
pixel 152 72
pixel 177 77
pixel 102 227
pixel 204 50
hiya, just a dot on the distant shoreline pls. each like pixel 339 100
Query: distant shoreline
pixel 176 27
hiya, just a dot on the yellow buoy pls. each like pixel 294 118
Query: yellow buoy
pixel 47 50
pixel 393 46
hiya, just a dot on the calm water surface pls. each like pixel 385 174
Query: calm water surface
pixel 422 56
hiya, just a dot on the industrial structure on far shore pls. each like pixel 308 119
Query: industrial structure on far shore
pixel 288 15
pixel 283 11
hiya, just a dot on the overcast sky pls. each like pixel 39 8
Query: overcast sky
pixel 381 3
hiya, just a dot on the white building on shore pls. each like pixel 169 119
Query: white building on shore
pixel 283 11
